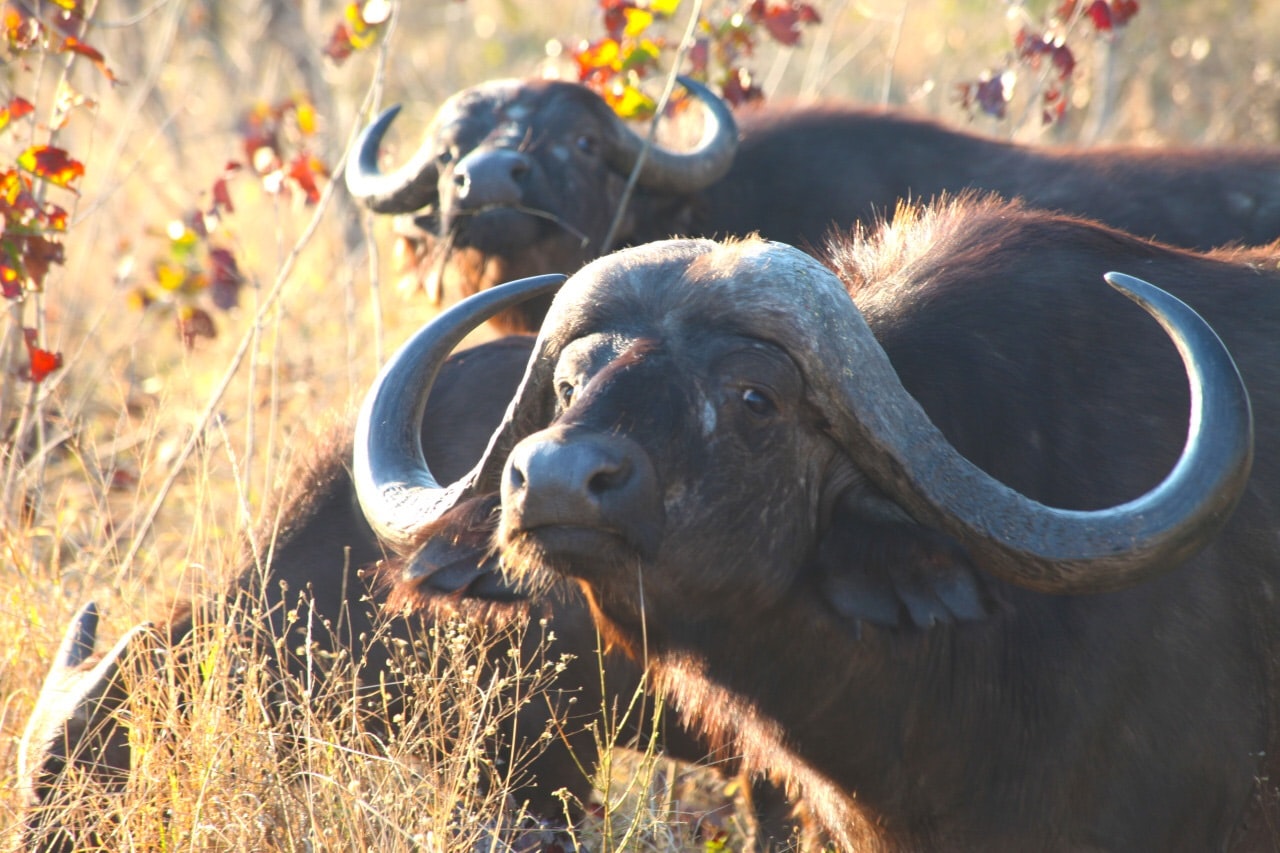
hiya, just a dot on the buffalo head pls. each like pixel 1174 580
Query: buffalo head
pixel 674 382
pixel 517 177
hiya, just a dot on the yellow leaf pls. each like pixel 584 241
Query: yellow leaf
pixel 630 102
pixel 666 8
pixel 170 277
pixel 638 20
pixel 603 54
pixel 306 113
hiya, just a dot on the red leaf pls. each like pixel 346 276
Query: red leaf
pixel 43 362
pixel 783 19
pixel 38 254
pixel 221 191
pixel 225 278
pixel 51 164
pixel 71 44
pixel 339 47
pixel 303 170
pixel 54 218
pixel 222 196
pixel 122 480
pixel 740 89
pixel 988 95
pixel 16 109
pixel 615 19
pixel 1100 13
pixel 699 55
pixel 1122 11
pixel 195 323
pixel 1055 105
pixel 1064 60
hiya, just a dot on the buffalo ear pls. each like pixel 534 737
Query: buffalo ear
pixel 456 557
pixel 894 573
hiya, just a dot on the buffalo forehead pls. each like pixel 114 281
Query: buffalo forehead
pixel 497 104
pixel 513 102
pixel 678 287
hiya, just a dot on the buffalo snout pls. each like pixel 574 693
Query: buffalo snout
pixel 575 489
pixel 490 177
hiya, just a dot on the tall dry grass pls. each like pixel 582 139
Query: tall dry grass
pixel 107 437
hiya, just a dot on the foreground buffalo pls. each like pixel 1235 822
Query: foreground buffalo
pixel 712 441
pixel 523 177
pixel 321 589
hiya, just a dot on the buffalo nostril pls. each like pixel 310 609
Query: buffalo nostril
pixel 515 477
pixel 610 477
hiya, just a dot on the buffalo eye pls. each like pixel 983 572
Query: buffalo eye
pixel 587 143
pixel 447 156
pixel 758 402
pixel 565 392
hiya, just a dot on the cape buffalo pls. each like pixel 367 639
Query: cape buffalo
pixel 944 553
pixel 321 589
pixel 522 177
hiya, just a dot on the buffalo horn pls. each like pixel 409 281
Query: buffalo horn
pixel 396 489
pixel 1025 542
pixel 686 171
pixel 409 188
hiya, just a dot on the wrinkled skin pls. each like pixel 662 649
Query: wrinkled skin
pixel 799 174
pixel 324 546
pixel 681 469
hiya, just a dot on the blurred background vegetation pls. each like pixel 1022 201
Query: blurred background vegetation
pixel 156 359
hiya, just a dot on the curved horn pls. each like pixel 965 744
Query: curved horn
pixel 410 187
pixel 1043 548
pixel 670 171
pixel 397 491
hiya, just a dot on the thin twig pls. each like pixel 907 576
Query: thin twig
pixel 373 102
pixel 886 86
pixel 686 43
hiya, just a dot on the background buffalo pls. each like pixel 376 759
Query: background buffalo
pixel 519 177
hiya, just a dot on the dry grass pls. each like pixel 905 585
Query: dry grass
pixel 109 430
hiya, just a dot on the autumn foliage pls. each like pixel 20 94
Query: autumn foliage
pixel 1044 49
pixel 361 25
pixel 32 227
pixel 637 44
